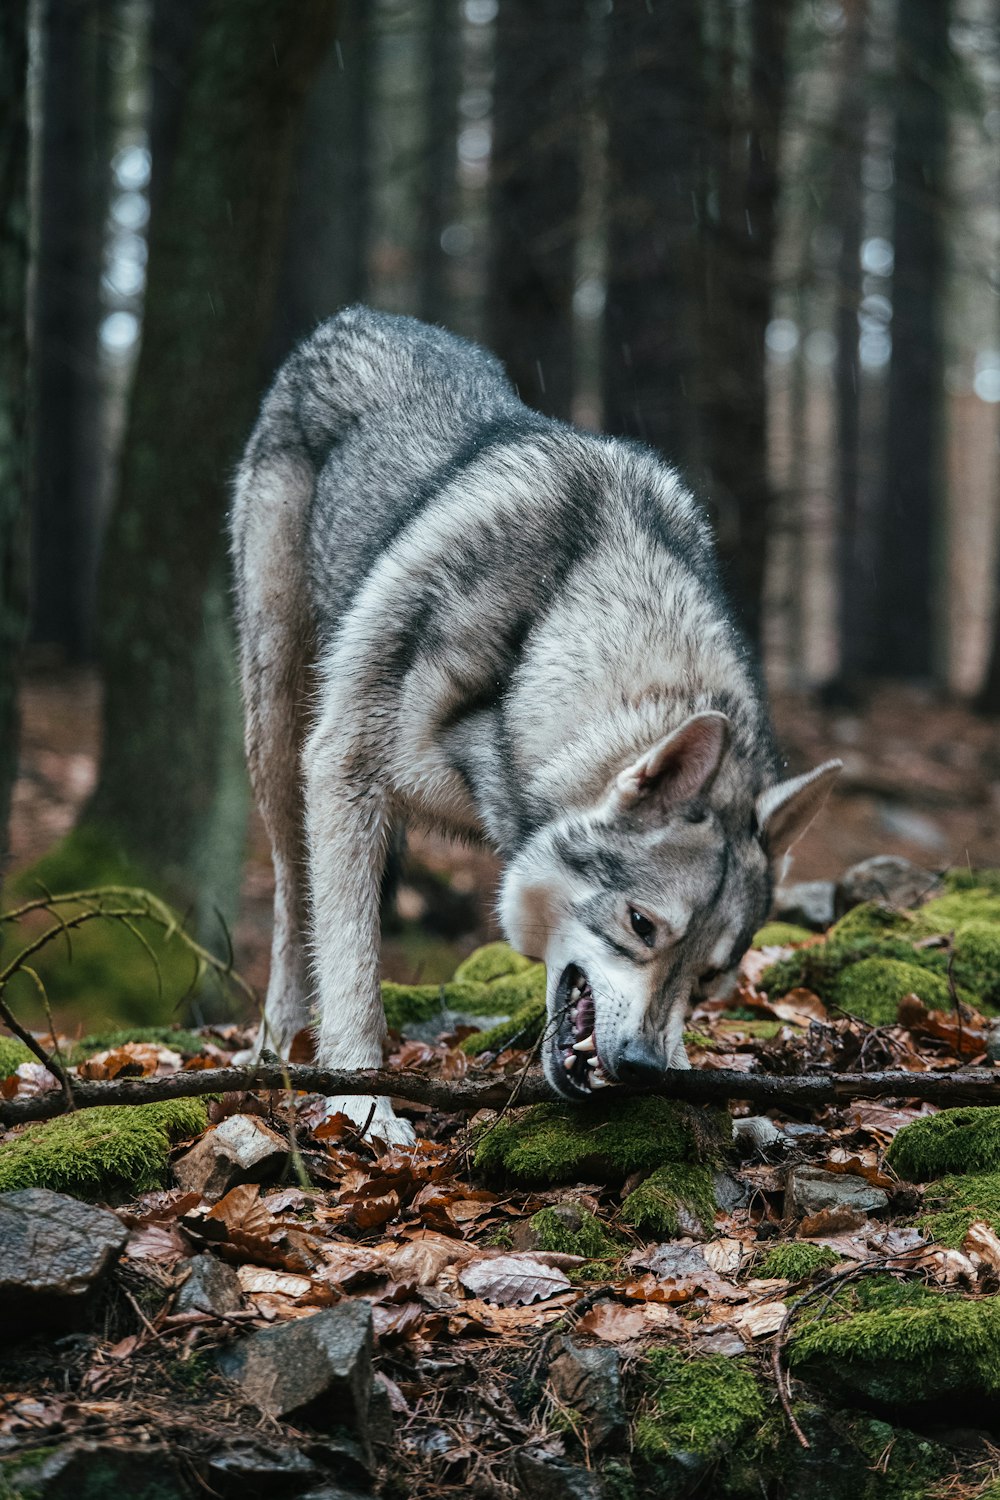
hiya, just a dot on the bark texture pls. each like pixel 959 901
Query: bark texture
pixel 172 789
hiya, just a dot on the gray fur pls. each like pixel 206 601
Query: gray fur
pixel 456 611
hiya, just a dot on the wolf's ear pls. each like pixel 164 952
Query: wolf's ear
pixel 677 768
pixel 785 810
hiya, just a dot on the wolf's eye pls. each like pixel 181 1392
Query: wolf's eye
pixel 642 926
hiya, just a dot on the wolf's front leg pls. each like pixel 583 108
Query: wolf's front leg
pixel 345 840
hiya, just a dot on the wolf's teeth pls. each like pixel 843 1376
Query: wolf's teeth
pixel 574 993
pixel 598 1081
pixel 570 1061
pixel 594 1062
pixel 587 1045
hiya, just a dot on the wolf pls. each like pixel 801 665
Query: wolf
pixel 457 612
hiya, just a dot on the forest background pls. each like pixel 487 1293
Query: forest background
pixel 761 235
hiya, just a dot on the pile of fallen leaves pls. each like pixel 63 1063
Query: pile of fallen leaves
pixel 472 1289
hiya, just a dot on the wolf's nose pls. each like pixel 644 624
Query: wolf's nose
pixel 637 1063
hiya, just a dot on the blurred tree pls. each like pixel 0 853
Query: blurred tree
pixel 656 103
pixel 846 216
pixel 171 793
pixel 73 190
pixel 741 230
pixel 988 698
pixel 13 382
pixel 327 241
pixel 535 196
pixel 173 29
pixel 914 464
pixel 443 71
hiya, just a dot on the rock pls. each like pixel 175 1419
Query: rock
pixel 526 1235
pixel 810 1189
pixel 588 1380
pixel 544 1477
pixel 84 1469
pixel 993 1043
pixel 240 1467
pixel 55 1251
pixel 809 903
pixel 915 827
pixel 211 1287
pixel 319 1367
pixel 241 1149
pixel 888 878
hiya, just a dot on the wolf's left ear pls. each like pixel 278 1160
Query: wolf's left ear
pixel 785 811
pixel 677 768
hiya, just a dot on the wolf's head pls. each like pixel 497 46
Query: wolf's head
pixel 648 898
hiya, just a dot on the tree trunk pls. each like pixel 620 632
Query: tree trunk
pixel 443 72
pixel 13 383
pixel 73 189
pixel 324 263
pixel 846 215
pixel 535 196
pixel 914 459
pixel 988 698
pixel 171 789
pixel 737 306
pixel 656 100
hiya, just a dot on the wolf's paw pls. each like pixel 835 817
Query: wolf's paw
pixel 382 1124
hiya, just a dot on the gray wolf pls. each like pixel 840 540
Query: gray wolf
pixel 455 611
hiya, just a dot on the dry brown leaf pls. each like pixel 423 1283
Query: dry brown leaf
pixel 724 1256
pixel 478 1313
pixel 860 1164
pixel 165 1244
pixel 760 1319
pixel 255 1280
pixel 423 1258
pixel 981 1240
pixel 513 1280
pixel 613 1322
pixel 649 1289
pixel 966 1035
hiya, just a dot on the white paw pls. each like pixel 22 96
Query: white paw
pixel 382 1124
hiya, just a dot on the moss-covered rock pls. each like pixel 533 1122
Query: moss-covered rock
pixel 408 1003
pixel 492 961
pixel 518 995
pixel 100 1153
pixel 13 1053
pixel 553 1143
pixel 900 1344
pixel 522 1030
pixel 585 1236
pixel 953 1140
pixel 187 1043
pixel 700 1407
pixel 781 934
pixel 873 988
pixel 796 1262
pixel 673 1200
pixel 955 1202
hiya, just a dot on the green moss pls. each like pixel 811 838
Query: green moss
pixel 775 934
pixel 953 1140
pixel 592 1239
pixel 100 1152
pixel 977 961
pixel 493 961
pixel 522 1029
pixel 102 972
pixel 958 1201
pixel 552 1143
pixel 796 1262
pixel 406 1003
pixel 872 919
pixel 13 1053
pixel 670 1198
pixel 950 913
pixel 927 1345
pixel 701 1406
pixel 187 1043
pixel 873 988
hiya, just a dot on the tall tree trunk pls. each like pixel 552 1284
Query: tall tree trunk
pixel 915 439
pixel 171 789
pixel 846 214
pixel 535 196
pixel 656 98
pixel 328 237
pixel 13 383
pixel 737 306
pixel 443 72
pixel 73 189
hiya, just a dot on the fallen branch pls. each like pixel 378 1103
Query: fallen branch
pixel 693 1085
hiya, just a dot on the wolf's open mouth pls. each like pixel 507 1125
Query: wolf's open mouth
pixel 576 1046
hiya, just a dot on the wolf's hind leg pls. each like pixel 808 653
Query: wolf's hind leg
pixel 347 825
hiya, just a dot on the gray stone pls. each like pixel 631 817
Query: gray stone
pixel 55 1249
pixel 808 903
pixel 544 1477
pixel 241 1466
pixel 809 1189
pixel 241 1149
pixel 146 1472
pixel 587 1379
pixel 211 1287
pixel 568 1215
pixel 886 877
pixel 993 1043
pixel 319 1367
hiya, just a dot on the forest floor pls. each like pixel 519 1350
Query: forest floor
pixel 648 1299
